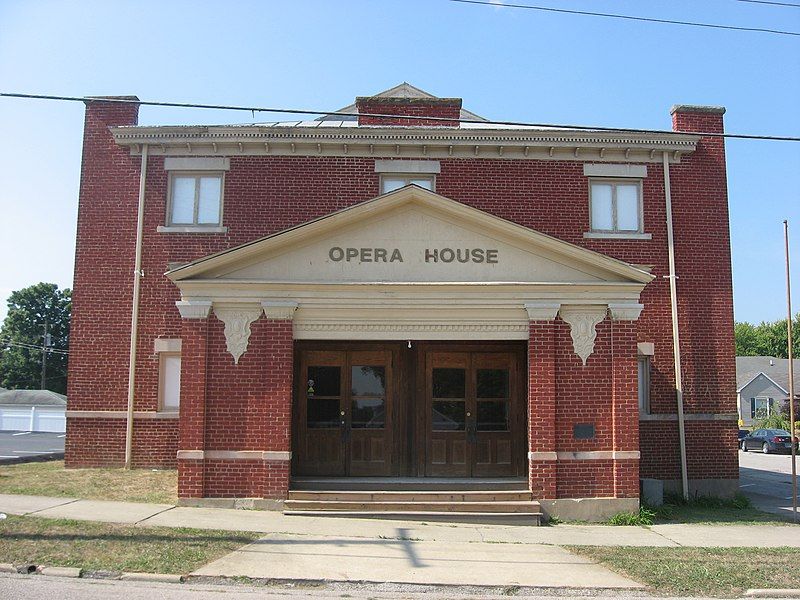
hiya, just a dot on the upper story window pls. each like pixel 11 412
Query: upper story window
pixel 391 182
pixel 399 173
pixel 644 385
pixel 616 206
pixel 616 201
pixel 195 199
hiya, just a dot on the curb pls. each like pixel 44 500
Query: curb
pixel 72 572
pixel 787 593
pixel 34 458
pixel 160 577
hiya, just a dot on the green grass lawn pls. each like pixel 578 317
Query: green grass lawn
pixel 52 479
pixel 101 546
pixel 706 571
pixel 703 509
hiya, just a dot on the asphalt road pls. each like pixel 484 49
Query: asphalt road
pixel 17 445
pixel 39 587
pixel 766 479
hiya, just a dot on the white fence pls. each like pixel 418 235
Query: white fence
pixel 32 418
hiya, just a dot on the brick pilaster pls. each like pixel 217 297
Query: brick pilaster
pixel 625 407
pixel 542 409
pixel 194 358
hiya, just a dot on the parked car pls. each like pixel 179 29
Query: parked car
pixel 768 440
pixel 743 433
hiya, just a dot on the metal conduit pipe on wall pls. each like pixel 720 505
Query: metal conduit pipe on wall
pixel 676 343
pixel 137 279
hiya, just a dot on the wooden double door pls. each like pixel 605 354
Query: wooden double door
pixel 436 409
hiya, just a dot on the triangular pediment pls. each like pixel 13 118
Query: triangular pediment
pixel 410 235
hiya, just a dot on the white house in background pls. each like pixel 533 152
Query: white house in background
pixel 32 410
pixel 762 386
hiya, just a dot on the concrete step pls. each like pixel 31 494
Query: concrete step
pixel 380 484
pixel 510 507
pixel 498 518
pixel 410 496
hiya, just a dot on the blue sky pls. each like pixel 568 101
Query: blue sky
pixel 505 63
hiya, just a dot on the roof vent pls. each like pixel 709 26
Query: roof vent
pixel 771 363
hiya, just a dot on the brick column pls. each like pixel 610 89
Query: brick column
pixel 278 400
pixel 542 400
pixel 194 352
pixel 625 399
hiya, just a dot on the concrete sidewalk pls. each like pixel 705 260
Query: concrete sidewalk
pixel 273 522
pixel 412 552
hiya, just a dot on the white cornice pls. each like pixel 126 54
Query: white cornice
pixel 406 142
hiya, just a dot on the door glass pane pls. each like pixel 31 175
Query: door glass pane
pixel 182 200
pixel 322 413
pixel 492 415
pixel 449 383
pixel 368 413
pixel 324 381
pixel 210 194
pixel 448 415
pixel 602 219
pixel 628 207
pixel 368 381
pixel 493 383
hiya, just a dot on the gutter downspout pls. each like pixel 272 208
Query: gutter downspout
pixel 676 342
pixel 137 279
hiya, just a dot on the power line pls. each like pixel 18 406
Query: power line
pixel 454 120
pixel 626 17
pixel 31 346
pixel 789 4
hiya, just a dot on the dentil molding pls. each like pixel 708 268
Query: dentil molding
pixel 582 321
pixel 237 327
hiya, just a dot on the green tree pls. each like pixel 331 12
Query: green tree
pixel 21 338
pixel 747 339
pixel 767 338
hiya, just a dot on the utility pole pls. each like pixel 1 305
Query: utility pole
pixel 792 428
pixel 45 346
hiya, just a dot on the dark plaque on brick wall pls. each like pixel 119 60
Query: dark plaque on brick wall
pixel 583 431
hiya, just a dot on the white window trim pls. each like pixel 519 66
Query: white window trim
pixel 162 359
pixel 614 170
pixel 196 163
pixel 402 166
pixel 191 229
pixel 407 177
pixel 170 227
pixel 617 233
pixel 600 235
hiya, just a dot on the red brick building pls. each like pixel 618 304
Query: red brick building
pixel 427 297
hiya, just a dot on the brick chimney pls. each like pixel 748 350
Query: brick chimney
pixel 686 117
pixel 432 112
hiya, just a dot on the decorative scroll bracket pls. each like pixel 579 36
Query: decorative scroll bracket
pixel 237 328
pixel 582 322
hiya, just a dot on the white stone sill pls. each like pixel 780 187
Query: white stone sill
pixel 595 235
pixel 191 229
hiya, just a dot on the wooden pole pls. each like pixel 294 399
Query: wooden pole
pixel 792 429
